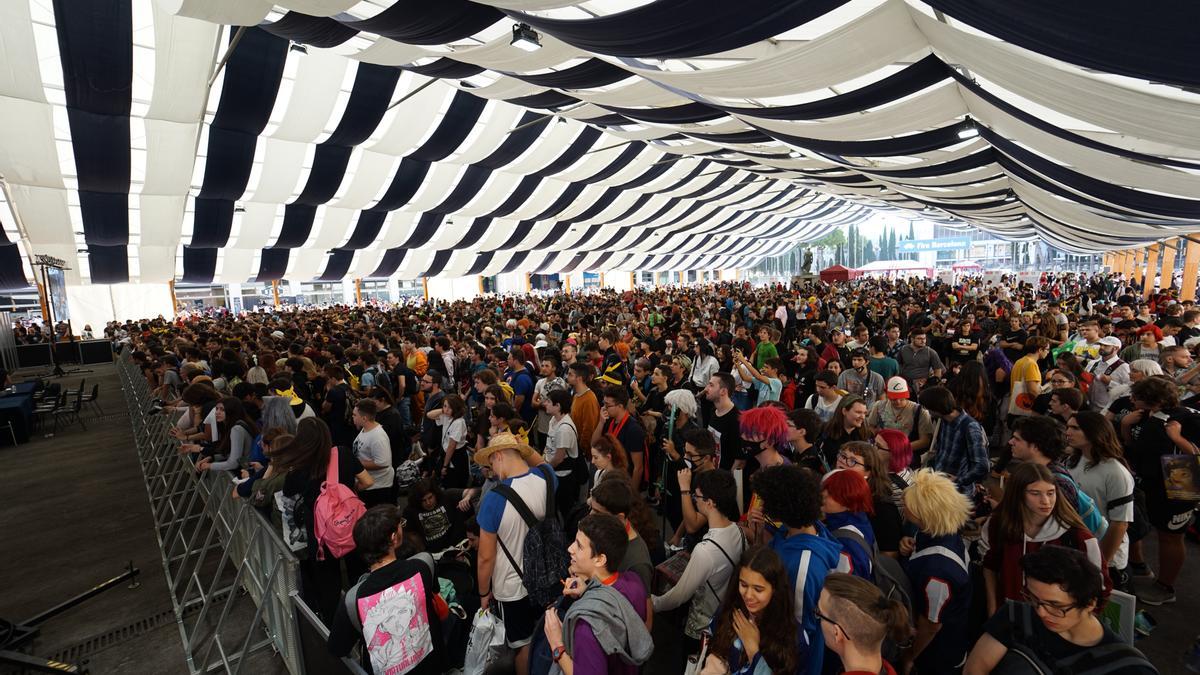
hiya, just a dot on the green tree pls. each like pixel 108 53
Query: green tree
pixel 868 252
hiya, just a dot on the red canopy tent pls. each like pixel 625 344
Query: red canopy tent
pixel 838 273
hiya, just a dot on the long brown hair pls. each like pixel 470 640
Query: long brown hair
pixel 835 428
pixel 615 494
pixel 1100 433
pixel 876 466
pixel 777 625
pixel 308 449
pixel 1010 514
pixel 971 390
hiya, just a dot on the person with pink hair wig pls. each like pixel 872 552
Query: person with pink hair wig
pixel 899 453
pixel 764 434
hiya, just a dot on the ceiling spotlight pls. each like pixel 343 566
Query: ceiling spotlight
pixel 297 47
pixel 238 208
pixel 562 120
pixel 525 38
pixel 969 131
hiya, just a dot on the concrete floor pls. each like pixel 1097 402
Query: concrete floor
pixel 75 512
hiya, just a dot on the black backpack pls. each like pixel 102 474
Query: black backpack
pixel 1025 656
pixel 352 399
pixel 411 385
pixel 545 549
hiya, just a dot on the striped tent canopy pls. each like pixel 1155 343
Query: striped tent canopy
pixel 242 140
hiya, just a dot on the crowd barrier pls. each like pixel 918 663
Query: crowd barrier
pixel 234 584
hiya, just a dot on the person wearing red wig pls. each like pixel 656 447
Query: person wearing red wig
pixel 846 502
pixel 764 433
pixel 899 453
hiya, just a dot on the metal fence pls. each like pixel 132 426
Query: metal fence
pixel 233 581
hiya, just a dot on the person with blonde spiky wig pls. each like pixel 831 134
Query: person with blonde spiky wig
pixel 937 568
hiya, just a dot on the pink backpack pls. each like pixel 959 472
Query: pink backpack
pixel 335 513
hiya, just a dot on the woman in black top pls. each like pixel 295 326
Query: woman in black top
pixel 305 461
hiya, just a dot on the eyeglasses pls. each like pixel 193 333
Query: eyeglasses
pixel 849 460
pixel 822 617
pixel 1052 609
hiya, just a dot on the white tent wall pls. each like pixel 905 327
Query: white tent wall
pixel 453 288
pixel 618 281
pixel 96 305
pixel 510 282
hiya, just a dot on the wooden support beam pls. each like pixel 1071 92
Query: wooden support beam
pixel 1191 258
pixel 1168 261
pixel 1151 271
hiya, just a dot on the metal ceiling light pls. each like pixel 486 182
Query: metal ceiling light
pixel 525 38
pixel 968 132
pixel 297 47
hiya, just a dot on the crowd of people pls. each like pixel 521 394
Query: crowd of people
pixel 870 477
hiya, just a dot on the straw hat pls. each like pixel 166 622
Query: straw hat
pixel 503 441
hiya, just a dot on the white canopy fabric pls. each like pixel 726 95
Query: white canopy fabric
pixel 241 140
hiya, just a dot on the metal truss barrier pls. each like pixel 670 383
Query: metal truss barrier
pixel 233 582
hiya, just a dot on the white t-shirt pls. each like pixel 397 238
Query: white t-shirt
pixel 373 446
pixel 542 388
pixel 499 517
pixel 562 434
pixel 210 421
pixel 455 429
pixel 1106 482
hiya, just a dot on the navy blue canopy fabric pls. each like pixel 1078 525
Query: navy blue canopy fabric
pixel 297 225
pixel 337 265
pixel 199 264
pixel 675 29
pixel 95 41
pixel 370 224
pixel 427 226
pixel 1159 43
pixel 445 68
pixel 273 264
pixel 405 182
pixel 901 145
pixel 915 77
pixel 527 130
pixel 390 262
pixel 456 125
pixel 213 220
pixel 478 228
pixel 318 31
pixel 426 22
pixel 438 264
pixel 482 260
pixel 590 73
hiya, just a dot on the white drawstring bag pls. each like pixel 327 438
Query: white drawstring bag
pixel 485 645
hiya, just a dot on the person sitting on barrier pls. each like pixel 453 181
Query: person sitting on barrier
pixel 395 608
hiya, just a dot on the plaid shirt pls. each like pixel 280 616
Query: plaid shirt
pixel 961 450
